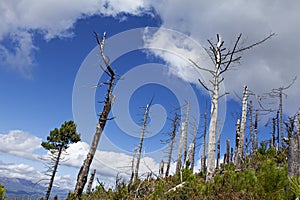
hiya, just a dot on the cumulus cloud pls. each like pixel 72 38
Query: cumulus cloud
pixel 110 163
pixel 20 20
pixel 19 143
pixel 270 65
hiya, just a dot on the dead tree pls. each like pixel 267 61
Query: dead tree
pixel 219 146
pixel 251 123
pixel 171 146
pixel 227 160
pixel 132 167
pixel 278 92
pixel 186 131
pixel 204 141
pixel 239 155
pixel 294 152
pixel 237 138
pixel 273 132
pixel 109 99
pixel 161 168
pixel 145 119
pixel 90 185
pixel 223 59
pixel 255 140
pixel 193 148
pixel 179 155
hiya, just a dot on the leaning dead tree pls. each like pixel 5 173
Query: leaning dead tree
pixel 145 119
pixel 223 59
pixel 109 99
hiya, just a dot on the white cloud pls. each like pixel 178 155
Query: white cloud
pixel 19 143
pixel 50 18
pixel 270 65
pixel 107 163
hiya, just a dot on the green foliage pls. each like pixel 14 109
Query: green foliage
pixel 2 192
pixel 62 137
pixel 295 186
pixel 261 176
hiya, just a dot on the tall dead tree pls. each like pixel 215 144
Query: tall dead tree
pixel 172 140
pixel 219 146
pixel 204 141
pixel 251 125
pixel 132 167
pixel 179 155
pixel 223 58
pixel 186 132
pixel 294 152
pixel 237 138
pixel 273 132
pixel 278 92
pixel 255 141
pixel 239 155
pixel 193 147
pixel 145 119
pixel 227 160
pixel 109 99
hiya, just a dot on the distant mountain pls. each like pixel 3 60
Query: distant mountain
pixel 24 189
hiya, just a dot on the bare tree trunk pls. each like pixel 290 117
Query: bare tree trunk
pixel 239 156
pixel 273 132
pixel 141 142
pixel 179 155
pixel 255 132
pixel 90 185
pixel 227 151
pixel 219 146
pixel 204 141
pixel 237 140
pixel 211 165
pixel 294 152
pixel 280 117
pixel 175 123
pixel 109 99
pixel 132 167
pixel 161 169
pixel 251 125
pixel 193 147
pixel 186 132
pixel 60 148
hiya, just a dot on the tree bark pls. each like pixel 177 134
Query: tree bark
pixel 60 148
pixel 136 175
pixel 109 99
pixel 175 123
pixel 186 132
pixel 179 155
pixel 219 147
pixel 237 140
pixel 240 149
pixel 90 185
pixel 204 142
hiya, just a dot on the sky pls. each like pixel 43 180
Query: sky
pixel 49 63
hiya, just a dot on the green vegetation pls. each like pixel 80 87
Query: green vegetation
pixel 2 192
pixel 261 176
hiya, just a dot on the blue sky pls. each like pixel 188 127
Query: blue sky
pixel 43 46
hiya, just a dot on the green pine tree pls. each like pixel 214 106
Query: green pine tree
pixel 57 142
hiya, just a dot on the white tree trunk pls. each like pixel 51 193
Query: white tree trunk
pixel 179 155
pixel 243 127
pixel 212 131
